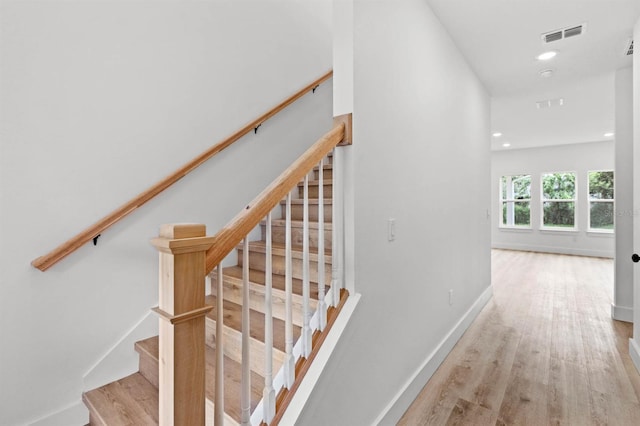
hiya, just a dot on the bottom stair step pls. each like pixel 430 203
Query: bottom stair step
pixel 134 399
pixel 232 376
pixel 131 401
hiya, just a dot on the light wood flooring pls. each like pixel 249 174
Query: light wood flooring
pixel 544 351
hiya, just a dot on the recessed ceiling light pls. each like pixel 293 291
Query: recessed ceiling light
pixel 608 135
pixel 506 145
pixel 546 55
pixel 497 134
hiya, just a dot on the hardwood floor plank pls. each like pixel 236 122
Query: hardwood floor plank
pixel 468 413
pixel 524 402
pixel 544 351
pixel 568 398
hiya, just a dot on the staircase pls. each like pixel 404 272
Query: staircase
pixel 133 400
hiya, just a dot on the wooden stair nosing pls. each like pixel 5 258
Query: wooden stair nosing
pixel 278 282
pixel 233 320
pixel 312 202
pixel 281 223
pixel 279 234
pixel 232 291
pixel 297 210
pixel 233 348
pixel 279 250
pixel 327 172
pixel 315 182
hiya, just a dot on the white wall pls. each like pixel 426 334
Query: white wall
pixel 578 158
pixel 622 308
pixel 634 344
pixel 99 100
pixel 421 138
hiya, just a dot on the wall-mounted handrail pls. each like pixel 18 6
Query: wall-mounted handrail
pixel 63 250
pixel 231 234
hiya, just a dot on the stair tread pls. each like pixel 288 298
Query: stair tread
pixel 325 166
pixel 131 400
pixel 279 249
pixel 312 201
pixel 297 224
pixel 233 319
pixel 316 182
pixel 232 377
pixel 277 281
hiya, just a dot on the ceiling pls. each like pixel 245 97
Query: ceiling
pixel 501 40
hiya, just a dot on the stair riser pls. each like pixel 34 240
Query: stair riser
pixel 278 234
pixel 297 211
pixel 233 293
pixel 314 192
pixel 258 261
pixel 233 348
pixel 326 174
pixel 148 367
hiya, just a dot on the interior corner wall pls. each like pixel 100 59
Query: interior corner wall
pixel 99 101
pixel 578 158
pixel 622 308
pixel 421 156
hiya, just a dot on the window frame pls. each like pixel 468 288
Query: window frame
pixel 513 201
pixel 574 200
pixel 608 200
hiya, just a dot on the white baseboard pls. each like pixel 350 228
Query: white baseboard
pixel 408 393
pixel 634 351
pixel 121 359
pixel 553 249
pixel 73 415
pixel 622 313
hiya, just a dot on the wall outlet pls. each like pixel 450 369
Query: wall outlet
pixel 451 297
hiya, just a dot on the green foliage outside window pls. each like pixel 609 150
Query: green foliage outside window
pixel 558 186
pixel 516 193
pixel 601 212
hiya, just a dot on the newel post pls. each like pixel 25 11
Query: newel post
pixel 182 313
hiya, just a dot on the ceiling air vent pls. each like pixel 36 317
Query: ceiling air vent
pixel 549 37
pixel 563 33
pixel 550 103
pixel 570 32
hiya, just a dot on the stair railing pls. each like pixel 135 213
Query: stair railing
pixel 49 259
pixel 180 358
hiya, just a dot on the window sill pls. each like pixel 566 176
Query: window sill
pixel 516 228
pixel 552 230
pixel 601 232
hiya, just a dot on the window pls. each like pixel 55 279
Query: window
pixel 601 201
pixel 515 200
pixel 559 200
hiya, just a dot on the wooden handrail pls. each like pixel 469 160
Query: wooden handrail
pixel 231 234
pixel 63 250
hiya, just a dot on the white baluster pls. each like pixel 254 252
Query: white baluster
pixel 219 396
pixel 269 393
pixel 322 306
pixel 289 361
pixel 306 314
pixel 336 281
pixel 245 397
